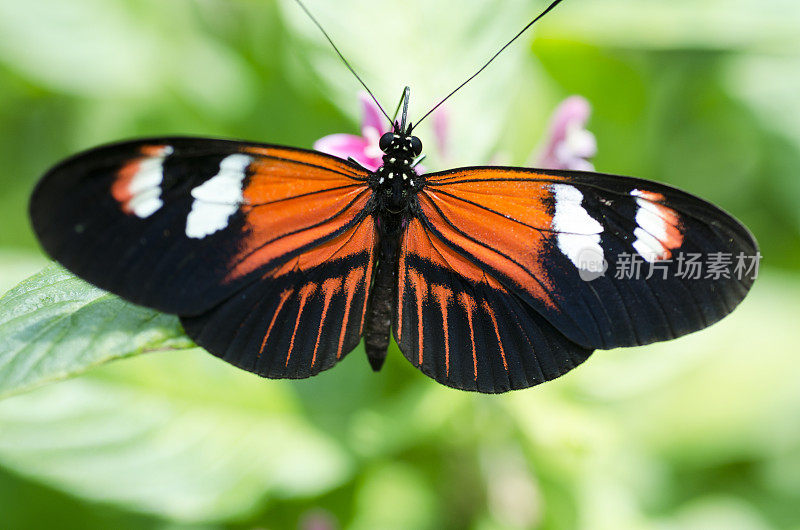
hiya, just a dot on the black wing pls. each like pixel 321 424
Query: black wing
pixel 542 238
pixel 240 239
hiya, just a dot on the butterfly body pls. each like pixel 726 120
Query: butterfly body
pixel 395 185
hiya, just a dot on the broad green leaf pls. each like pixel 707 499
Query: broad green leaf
pixel 54 326
pixel 181 435
pixel 22 500
pixel 15 266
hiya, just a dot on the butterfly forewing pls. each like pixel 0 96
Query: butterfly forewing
pixel 533 231
pixel 180 224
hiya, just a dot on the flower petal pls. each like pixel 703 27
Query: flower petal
pixel 341 145
pixel 580 142
pixel 441 131
pixel 573 110
pixel 371 115
pixel 372 138
pixel 568 144
pixel 349 146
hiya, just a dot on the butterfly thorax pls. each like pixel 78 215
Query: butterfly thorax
pixel 395 182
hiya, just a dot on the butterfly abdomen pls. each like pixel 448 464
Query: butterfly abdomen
pixel 381 307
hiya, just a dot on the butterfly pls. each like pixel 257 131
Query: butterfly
pixel 281 260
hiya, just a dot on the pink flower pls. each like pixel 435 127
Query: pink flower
pixel 318 519
pixel 364 149
pixel 441 131
pixel 569 145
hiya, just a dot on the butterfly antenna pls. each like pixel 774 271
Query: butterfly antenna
pixel 403 97
pixel 406 97
pixel 347 64
pixel 501 50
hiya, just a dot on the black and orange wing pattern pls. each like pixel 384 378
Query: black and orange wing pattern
pixel 268 255
pixel 266 248
pixel 299 318
pixel 458 324
pixel 500 254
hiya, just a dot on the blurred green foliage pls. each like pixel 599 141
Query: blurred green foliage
pixel 702 432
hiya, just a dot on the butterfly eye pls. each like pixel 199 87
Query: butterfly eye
pixel 416 145
pixel 386 141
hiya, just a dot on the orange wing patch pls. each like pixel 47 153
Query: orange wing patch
pixel 349 243
pixel 461 326
pixel 290 205
pixel 512 244
pixel 426 248
pixel 419 242
pixel 352 242
pixel 516 180
pixel 325 164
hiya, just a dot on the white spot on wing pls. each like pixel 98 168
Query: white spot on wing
pixel 651 229
pixel 218 198
pixel 145 186
pixel 577 230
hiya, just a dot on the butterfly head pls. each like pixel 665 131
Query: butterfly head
pixel 400 145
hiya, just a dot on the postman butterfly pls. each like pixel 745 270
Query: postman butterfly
pixel 280 260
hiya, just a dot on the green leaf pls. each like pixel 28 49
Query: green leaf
pixel 183 435
pixel 16 265
pixel 54 326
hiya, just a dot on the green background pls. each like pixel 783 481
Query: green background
pixel 701 432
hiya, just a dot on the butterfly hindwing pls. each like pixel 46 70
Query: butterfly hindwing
pixel 460 326
pixel 181 224
pixel 299 318
pixel 537 233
